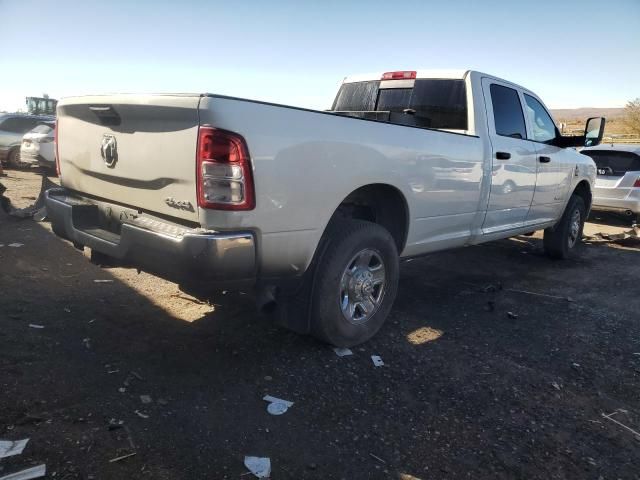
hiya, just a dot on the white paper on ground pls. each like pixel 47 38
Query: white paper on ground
pixel 277 406
pixel 342 352
pixel 28 474
pixel 259 466
pixel 10 447
pixel 377 361
pixel 16 245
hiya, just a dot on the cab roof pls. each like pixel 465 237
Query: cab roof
pixel 429 73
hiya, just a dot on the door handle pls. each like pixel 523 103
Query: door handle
pixel 544 159
pixel 503 155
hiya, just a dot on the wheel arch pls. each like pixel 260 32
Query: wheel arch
pixel 379 203
pixel 583 190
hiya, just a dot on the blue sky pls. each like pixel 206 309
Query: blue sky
pixel 572 53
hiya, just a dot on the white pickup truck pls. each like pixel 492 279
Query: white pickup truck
pixel 315 209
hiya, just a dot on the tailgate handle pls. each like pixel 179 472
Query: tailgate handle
pixel 106 114
pixel 544 159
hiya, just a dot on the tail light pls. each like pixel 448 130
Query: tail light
pixel 55 139
pixel 637 183
pixel 405 75
pixel 224 178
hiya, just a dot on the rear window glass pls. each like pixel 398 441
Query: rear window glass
pixel 431 103
pixel 42 128
pixel 611 162
pixel 357 97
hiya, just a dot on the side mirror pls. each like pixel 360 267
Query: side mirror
pixel 593 131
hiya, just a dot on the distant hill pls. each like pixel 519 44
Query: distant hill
pixel 572 114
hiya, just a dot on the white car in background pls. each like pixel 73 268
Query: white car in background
pixel 617 187
pixel 38 146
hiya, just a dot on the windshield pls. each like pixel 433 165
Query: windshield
pixel 431 103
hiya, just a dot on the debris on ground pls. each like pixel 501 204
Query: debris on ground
pixel 377 360
pixel 9 448
pixel 102 281
pixel 608 417
pixel 28 474
pixel 492 288
pixel 277 406
pixel 342 352
pixel 140 414
pixel 537 294
pixel 555 385
pixel 16 245
pixel 35 325
pixel 115 424
pixel 512 315
pixel 145 399
pixel 633 234
pixel 259 466
pixel 377 458
pixel 87 342
pixel 122 457
pixel 37 211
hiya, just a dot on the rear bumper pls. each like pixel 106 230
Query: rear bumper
pixel 630 202
pixel 170 250
pixel 34 158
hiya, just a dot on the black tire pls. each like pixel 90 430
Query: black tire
pixel 13 159
pixel 561 239
pixel 349 241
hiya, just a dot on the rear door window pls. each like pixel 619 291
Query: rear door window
pixel 507 112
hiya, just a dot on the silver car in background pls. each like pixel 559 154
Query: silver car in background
pixel 617 186
pixel 38 146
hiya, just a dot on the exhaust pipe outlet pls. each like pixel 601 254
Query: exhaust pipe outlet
pixel 628 213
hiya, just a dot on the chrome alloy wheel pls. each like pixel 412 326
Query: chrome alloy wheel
pixel 362 286
pixel 574 227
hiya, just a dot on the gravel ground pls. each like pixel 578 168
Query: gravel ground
pixel 499 364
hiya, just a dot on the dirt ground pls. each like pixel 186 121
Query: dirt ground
pixel 499 364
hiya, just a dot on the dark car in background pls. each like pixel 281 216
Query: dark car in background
pixel 13 126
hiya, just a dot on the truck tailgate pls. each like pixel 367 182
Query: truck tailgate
pixel 137 150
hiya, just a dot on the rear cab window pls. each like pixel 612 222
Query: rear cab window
pixel 427 103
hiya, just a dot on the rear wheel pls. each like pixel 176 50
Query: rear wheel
pixel 566 235
pixel 355 284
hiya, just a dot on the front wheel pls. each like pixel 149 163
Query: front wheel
pixel 13 159
pixel 356 282
pixel 561 239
